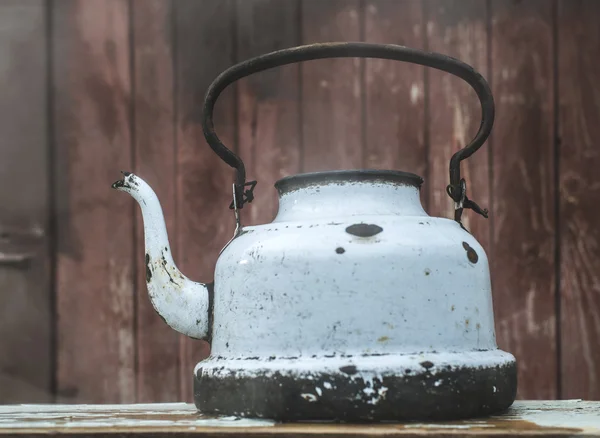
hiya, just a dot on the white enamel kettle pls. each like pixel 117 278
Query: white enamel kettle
pixel 353 304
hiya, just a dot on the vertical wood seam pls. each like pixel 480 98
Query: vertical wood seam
pixel 132 139
pixel 300 36
pixel 175 85
pixel 557 233
pixel 52 203
pixel 363 83
pixel 426 107
pixel 490 141
pixel 178 251
pixel 233 8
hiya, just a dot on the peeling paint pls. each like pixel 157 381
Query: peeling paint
pixel 309 397
pixel 179 301
pixel 276 285
pixel 368 386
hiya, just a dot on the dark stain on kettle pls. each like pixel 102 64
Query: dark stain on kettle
pixel 364 230
pixel 348 369
pixel 471 254
pixel 408 396
pixel 427 364
pixel 340 250
pixel 148 270
pixel 164 263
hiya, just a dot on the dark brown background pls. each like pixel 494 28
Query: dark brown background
pixel 88 88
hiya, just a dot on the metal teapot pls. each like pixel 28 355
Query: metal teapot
pixel 353 304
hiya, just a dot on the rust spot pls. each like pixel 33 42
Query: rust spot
pixel 340 250
pixel 467 322
pixel 364 230
pixel 383 339
pixel 148 271
pixel 471 254
pixel 477 326
pixel 427 364
pixel 427 272
pixel 452 308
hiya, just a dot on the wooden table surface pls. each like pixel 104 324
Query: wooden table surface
pixel 525 418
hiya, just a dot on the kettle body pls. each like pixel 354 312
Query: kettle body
pixel 353 304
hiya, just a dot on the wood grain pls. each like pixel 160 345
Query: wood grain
pixel 524 418
pixel 523 248
pixel 157 344
pixel 26 322
pixel 268 102
pixel 395 91
pixel 332 98
pixel 578 66
pixel 91 85
pixel 458 29
pixel 205 42
pixel 105 324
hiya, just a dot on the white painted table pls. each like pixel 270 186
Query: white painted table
pixel 525 418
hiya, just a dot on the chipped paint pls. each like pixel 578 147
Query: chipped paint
pixel 366 387
pixel 344 246
pixel 183 304
pixel 309 397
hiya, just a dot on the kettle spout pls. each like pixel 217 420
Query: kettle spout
pixel 182 303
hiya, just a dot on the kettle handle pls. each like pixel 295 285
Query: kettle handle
pixel 457 187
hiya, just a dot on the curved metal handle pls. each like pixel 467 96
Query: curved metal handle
pixel 457 187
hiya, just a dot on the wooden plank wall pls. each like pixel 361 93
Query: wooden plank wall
pixel 91 88
pixel 26 304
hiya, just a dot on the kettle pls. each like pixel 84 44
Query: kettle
pixel 353 304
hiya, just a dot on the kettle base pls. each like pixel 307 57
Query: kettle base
pixel 394 387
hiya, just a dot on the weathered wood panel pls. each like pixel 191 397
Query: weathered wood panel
pixel 395 91
pixel 349 114
pixel 524 418
pixel 523 247
pixel 26 354
pixel 92 90
pixel 154 160
pixel 268 102
pixel 332 89
pixel 579 109
pixel 457 28
pixel 205 47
